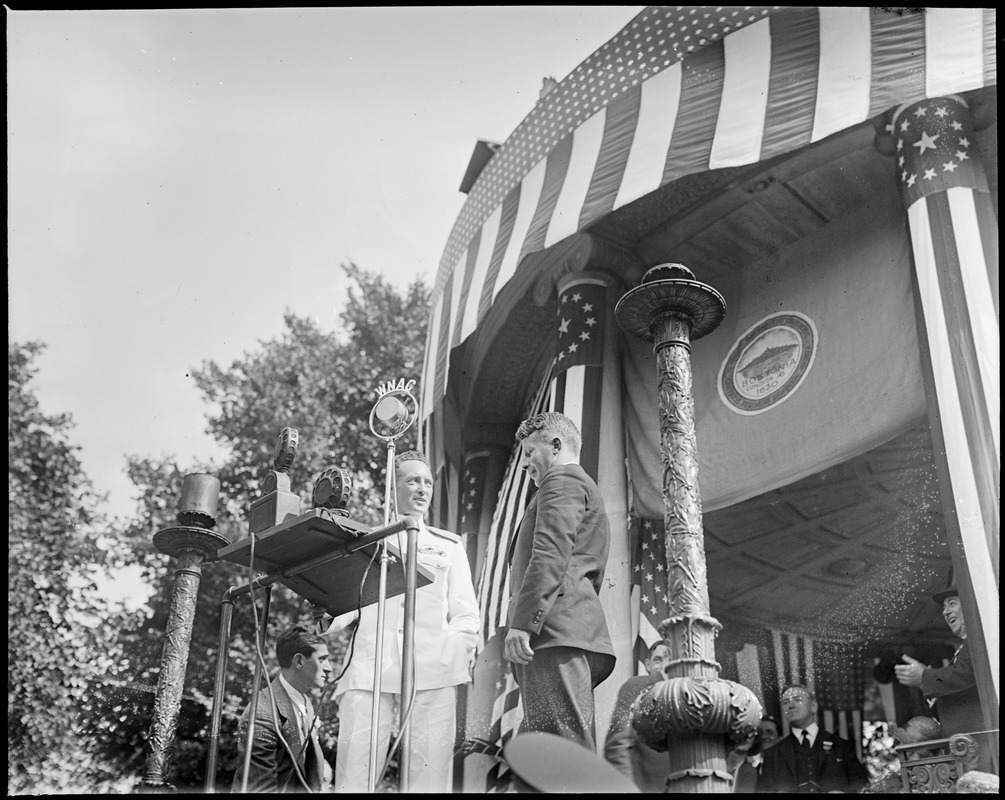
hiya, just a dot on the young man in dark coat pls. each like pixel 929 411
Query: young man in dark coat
pixel 809 760
pixel 286 753
pixel 558 640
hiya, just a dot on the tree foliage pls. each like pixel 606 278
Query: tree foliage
pixel 54 641
pixel 323 384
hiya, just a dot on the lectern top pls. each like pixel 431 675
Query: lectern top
pixel 316 556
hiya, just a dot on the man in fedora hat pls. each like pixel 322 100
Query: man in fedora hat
pixel 953 688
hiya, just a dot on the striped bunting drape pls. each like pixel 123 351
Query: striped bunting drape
pixel 577 376
pixel 493 582
pixel 507 714
pixel 493 596
pixel 570 387
pixel 954 239
pixel 682 90
pixel 650 595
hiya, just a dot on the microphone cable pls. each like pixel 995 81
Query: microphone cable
pixel 272 697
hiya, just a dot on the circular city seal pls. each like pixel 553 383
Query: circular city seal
pixel 768 363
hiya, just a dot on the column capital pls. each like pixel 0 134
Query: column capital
pixel 569 279
pixel 950 101
pixel 933 146
pixel 578 253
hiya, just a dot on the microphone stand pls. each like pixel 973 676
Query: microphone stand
pixel 378 656
pixel 393 414
pixel 408 659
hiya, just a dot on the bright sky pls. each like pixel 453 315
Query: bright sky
pixel 178 179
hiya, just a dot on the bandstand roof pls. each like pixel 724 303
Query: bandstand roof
pixel 741 143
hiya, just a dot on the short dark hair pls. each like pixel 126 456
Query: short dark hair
pixel 296 640
pixel 757 744
pixel 551 424
pixel 802 686
pixel 656 645
pixel 411 455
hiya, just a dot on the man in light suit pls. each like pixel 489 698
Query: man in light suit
pixel 557 639
pixel 446 632
pixel 809 760
pixel 287 757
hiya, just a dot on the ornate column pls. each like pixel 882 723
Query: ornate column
pixel 692 713
pixel 191 542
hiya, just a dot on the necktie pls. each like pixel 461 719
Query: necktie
pixel 314 776
pixel 806 741
pixel 308 720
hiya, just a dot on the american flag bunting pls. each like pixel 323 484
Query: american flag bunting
pixel 577 385
pixel 954 237
pixel 649 581
pixel 684 89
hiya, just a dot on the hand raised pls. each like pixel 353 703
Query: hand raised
pixel 909 673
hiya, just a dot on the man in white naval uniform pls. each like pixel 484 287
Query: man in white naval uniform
pixel 446 631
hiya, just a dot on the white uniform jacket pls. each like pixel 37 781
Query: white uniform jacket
pixel 446 623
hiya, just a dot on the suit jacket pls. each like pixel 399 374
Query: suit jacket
pixel 955 690
pixel 837 767
pixel 272 768
pixel 624 749
pixel 745 778
pixel 557 563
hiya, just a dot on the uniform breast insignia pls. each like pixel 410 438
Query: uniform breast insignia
pixel 432 550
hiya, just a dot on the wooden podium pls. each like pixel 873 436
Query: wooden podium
pixel 323 557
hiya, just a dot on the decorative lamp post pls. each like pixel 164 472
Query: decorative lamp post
pixel 691 713
pixel 191 542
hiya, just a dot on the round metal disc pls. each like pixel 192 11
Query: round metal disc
pixel 549 763
pixel 638 307
pixel 181 537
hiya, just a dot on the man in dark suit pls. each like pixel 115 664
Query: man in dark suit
pixel 809 759
pixel 953 687
pixel 287 756
pixel 557 639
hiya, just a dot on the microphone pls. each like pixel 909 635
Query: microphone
pixel 395 411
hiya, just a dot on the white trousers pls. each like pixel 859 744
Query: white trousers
pixel 433 730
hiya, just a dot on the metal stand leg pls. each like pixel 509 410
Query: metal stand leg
pixel 256 689
pixel 378 658
pixel 219 687
pixel 408 659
